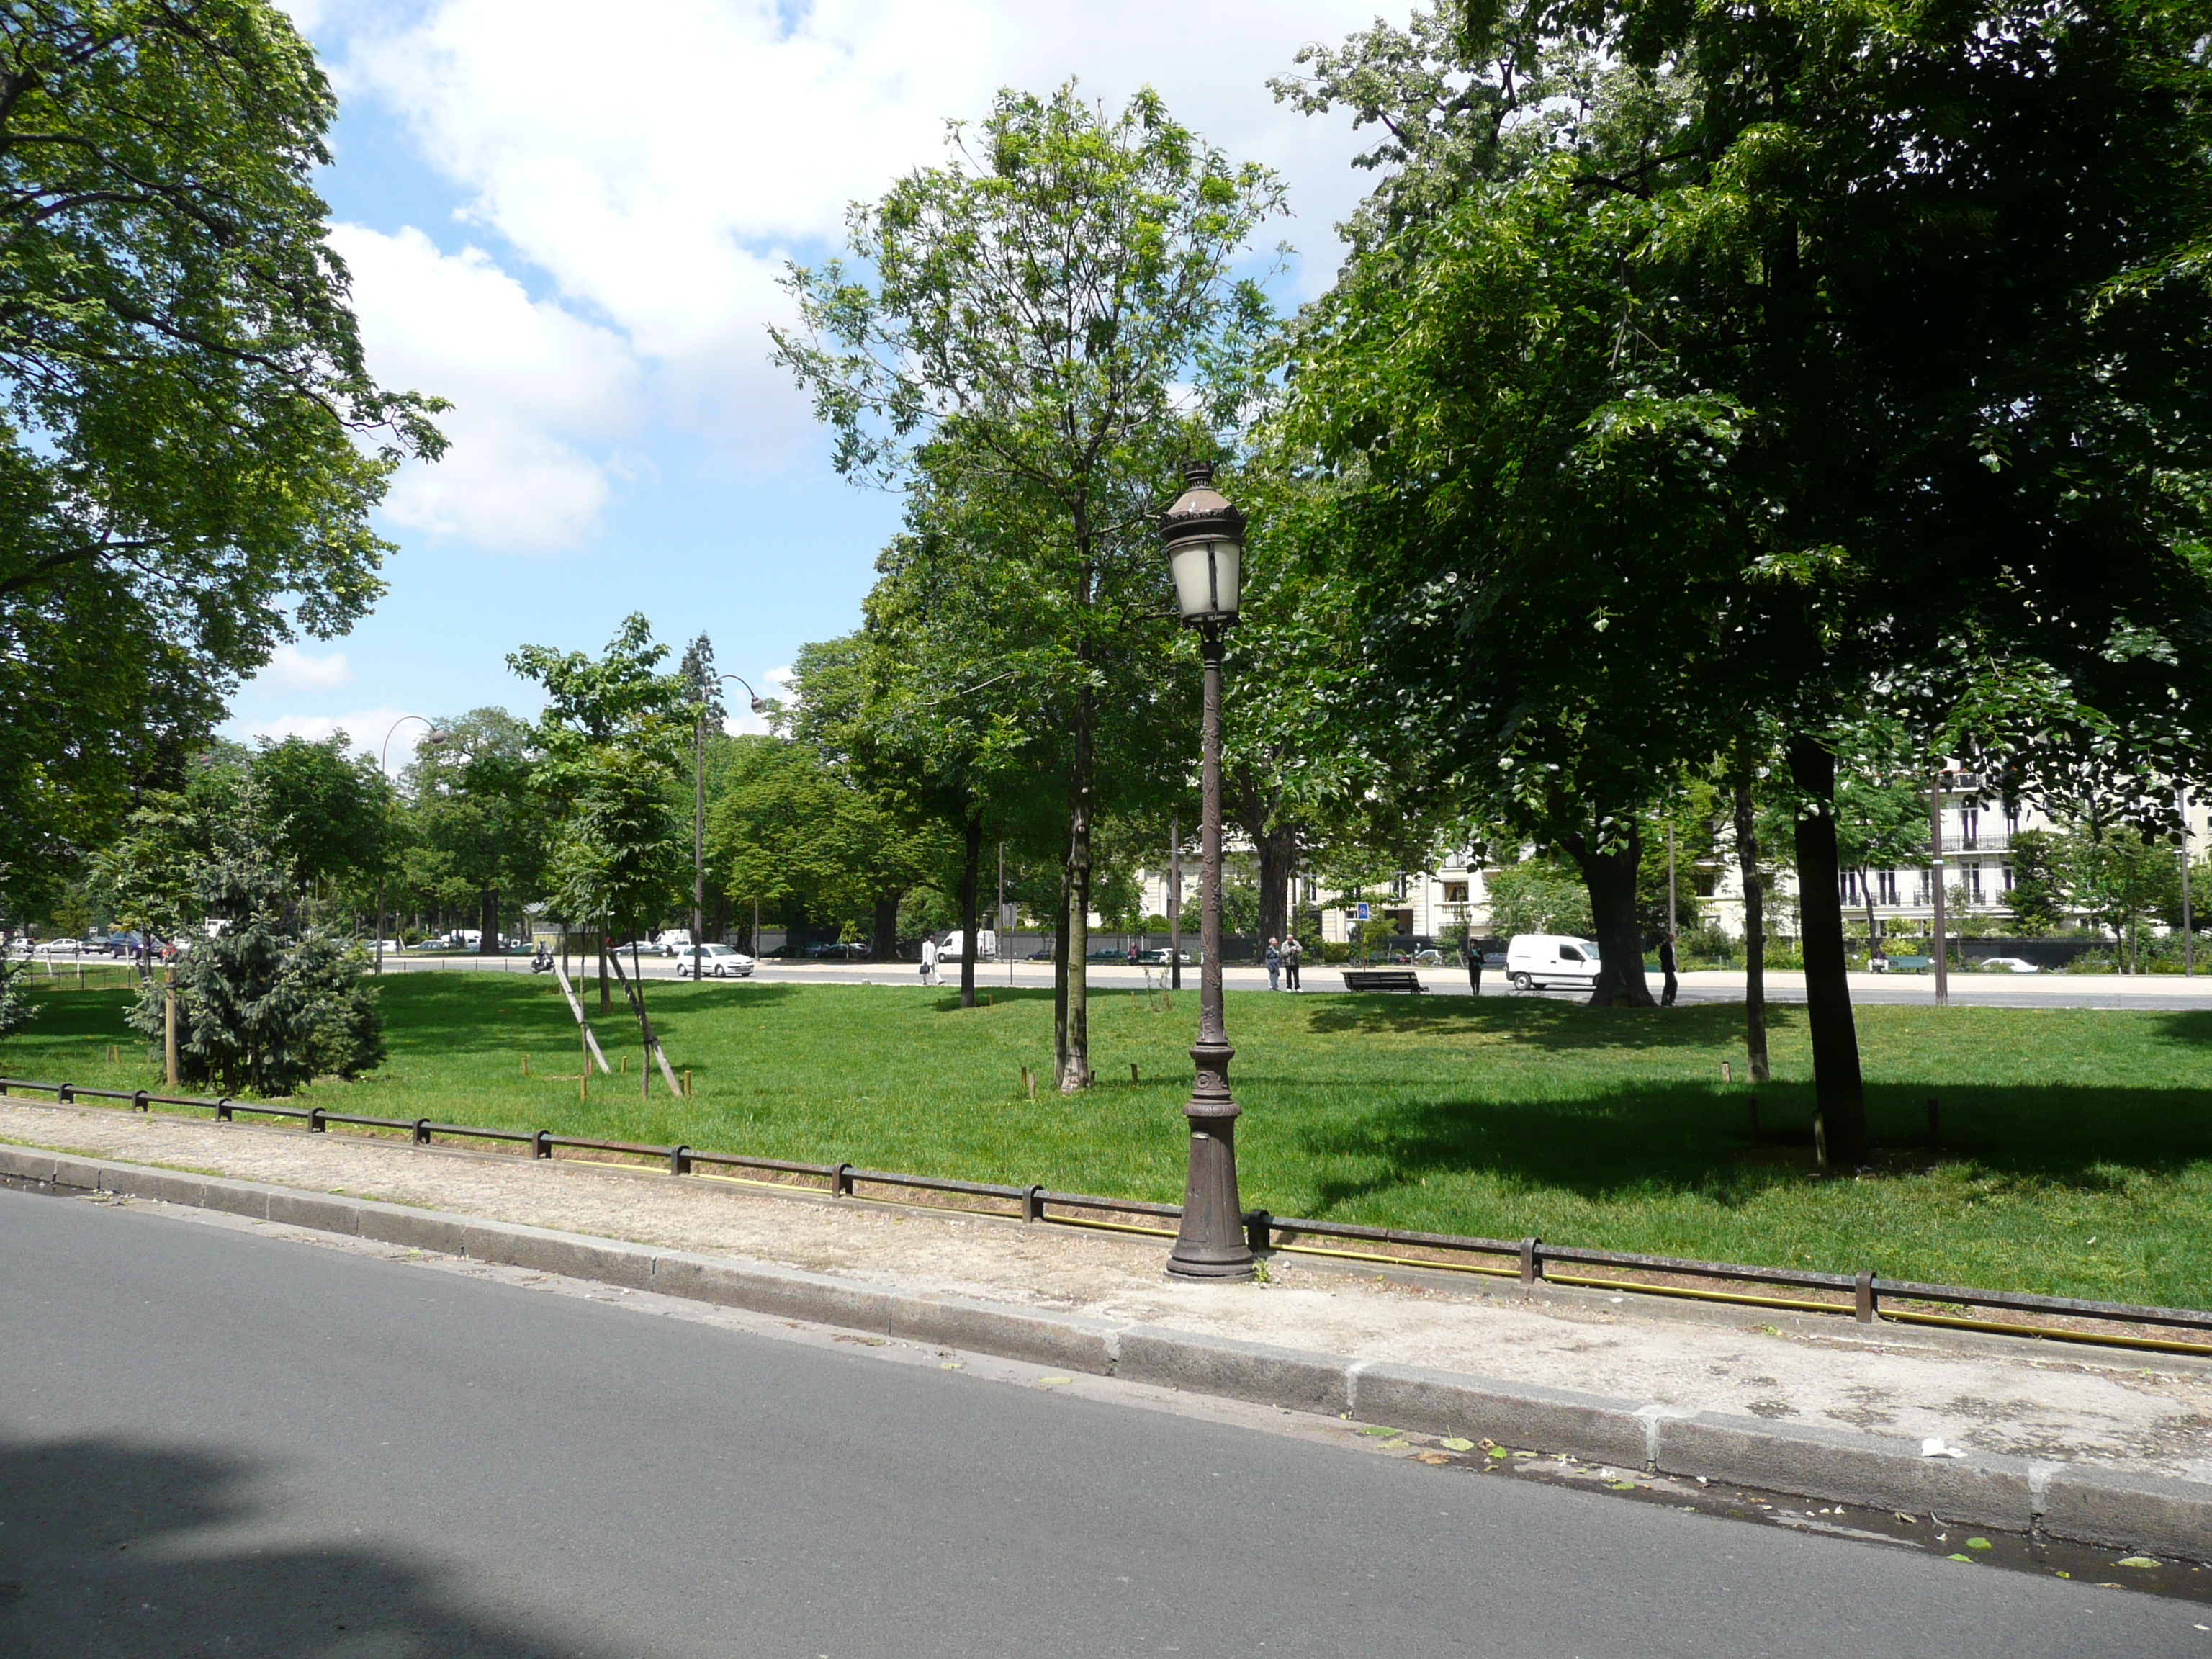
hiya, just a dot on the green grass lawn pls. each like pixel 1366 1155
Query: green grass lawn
pixel 2077 1157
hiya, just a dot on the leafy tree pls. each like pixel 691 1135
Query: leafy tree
pixel 478 826
pixel 1824 359
pixel 1051 323
pixel 2038 899
pixel 2115 878
pixel 328 810
pixel 1538 896
pixel 611 742
pixel 191 443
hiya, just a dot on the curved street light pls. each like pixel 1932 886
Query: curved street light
pixel 433 737
pixel 1204 542
pixel 699 814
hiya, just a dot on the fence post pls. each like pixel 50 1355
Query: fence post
pixel 541 1144
pixel 66 1094
pixel 422 1132
pixel 841 1181
pixel 1259 1230
pixel 1531 1269
pixel 679 1160
pixel 1863 1298
pixel 138 1100
pixel 222 1111
pixel 1033 1204
pixel 315 1120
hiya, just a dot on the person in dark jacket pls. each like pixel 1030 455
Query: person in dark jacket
pixel 1667 966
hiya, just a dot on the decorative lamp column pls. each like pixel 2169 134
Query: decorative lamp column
pixel 1204 537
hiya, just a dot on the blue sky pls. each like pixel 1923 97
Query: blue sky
pixel 569 220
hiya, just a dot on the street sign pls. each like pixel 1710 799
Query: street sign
pixel 1360 911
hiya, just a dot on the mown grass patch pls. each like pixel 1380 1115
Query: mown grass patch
pixel 2077 1155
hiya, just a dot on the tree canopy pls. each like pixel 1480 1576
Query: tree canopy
pixel 191 441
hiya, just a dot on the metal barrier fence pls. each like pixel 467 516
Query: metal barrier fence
pixel 1865 1296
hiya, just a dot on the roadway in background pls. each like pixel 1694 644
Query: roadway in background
pixel 1974 989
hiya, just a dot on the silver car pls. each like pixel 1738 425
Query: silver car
pixel 714 961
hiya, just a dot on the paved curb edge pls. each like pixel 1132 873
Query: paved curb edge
pixel 2079 1501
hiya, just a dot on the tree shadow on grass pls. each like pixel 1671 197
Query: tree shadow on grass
pixel 2192 1026
pixel 1542 1023
pixel 116 1548
pixel 1610 1145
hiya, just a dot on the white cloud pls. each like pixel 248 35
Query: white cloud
pixel 294 670
pixel 541 397
pixel 659 170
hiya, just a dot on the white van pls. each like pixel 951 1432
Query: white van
pixel 955 948
pixel 1534 961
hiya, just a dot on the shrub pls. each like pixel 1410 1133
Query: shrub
pixel 262 1008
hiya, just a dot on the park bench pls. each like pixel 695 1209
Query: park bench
pixel 1383 979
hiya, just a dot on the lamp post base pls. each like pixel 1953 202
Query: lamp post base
pixel 1211 1243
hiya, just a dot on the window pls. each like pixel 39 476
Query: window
pixel 1970 827
pixel 1974 883
pixel 1568 953
pixel 1885 886
pixel 2006 878
pixel 1454 892
pixel 1398 887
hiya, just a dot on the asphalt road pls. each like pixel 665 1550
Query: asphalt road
pixel 217 1442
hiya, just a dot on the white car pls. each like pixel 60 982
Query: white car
pixel 1534 961
pixel 716 961
pixel 2009 965
pixel 58 947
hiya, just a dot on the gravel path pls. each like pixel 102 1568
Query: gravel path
pixel 2152 1412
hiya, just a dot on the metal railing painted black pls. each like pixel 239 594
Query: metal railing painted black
pixel 1529 1260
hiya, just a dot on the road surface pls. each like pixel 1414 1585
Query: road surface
pixel 216 1440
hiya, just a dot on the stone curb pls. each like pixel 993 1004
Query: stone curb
pixel 2079 1501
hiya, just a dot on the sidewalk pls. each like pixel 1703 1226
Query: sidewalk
pixel 2141 1413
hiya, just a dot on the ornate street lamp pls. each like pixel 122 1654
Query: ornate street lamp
pixel 1204 537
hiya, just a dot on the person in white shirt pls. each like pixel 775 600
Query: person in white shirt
pixel 928 960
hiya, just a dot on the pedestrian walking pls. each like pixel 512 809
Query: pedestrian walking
pixel 1667 966
pixel 1292 951
pixel 1136 955
pixel 1475 966
pixel 928 960
pixel 1274 964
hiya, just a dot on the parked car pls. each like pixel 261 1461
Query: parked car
pixel 58 947
pixel 715 962
pixel 2009 965
pixel 1534 961
pixel 838 950
pixel 1158 956
pixel 639 947
pixel 1110 953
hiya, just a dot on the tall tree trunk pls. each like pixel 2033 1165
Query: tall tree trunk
pixel 1754 935
pixel 1839 1090
pixel 489 920
pixel 1610 878
pixel 1275 850
pixel 606 1002
pixel 883 940
pixel 1071 1032
pixel 971 872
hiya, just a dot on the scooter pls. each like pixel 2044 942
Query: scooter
pixel 542 963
